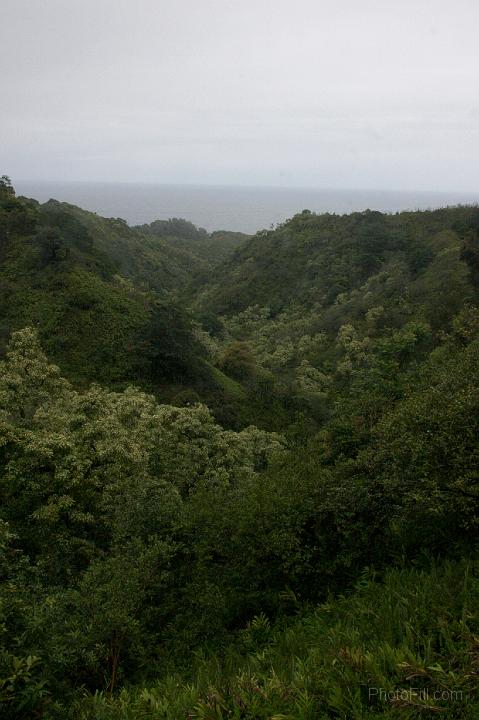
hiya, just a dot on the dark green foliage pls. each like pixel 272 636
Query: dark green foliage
pixel 470 252
pixel 154 564
pixel 61 272
pixel 209 248
pixel 175 227
pixel 238 361
pixel 313 258
pixel 403 647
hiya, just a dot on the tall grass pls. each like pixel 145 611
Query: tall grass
pixel 404 647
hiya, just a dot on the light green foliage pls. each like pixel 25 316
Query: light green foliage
pixel 310 381
pixel 96 486
pixel 96 449
pixel 355 349
pixel 404 647
pixel 27 379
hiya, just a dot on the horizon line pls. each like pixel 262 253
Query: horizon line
pixel 240 186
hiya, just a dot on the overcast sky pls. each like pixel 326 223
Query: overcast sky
pixel 324 93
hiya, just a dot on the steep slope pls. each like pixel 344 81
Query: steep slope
pixel 320 300
pixel 100 293
pixel 200 252
pixel 312 259
pixel 148 259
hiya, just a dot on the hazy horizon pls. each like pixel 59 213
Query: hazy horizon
pixel 246 185
pixel 228 207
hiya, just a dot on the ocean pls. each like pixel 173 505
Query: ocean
pixel 245 209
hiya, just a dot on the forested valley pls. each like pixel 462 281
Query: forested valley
pixel 238 474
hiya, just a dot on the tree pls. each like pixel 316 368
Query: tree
pixel 6 187
pixel 238 361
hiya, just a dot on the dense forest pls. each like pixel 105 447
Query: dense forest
pixel 239 475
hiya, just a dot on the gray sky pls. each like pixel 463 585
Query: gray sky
pixel 327 93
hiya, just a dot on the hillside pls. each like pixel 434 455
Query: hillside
pixel 316 303
pixel 313 259
pixel 103 296
pixel 210 249
pixel 238 476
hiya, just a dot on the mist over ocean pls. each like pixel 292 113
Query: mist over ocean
pixel 246 209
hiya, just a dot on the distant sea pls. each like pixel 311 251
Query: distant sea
pixel 245 209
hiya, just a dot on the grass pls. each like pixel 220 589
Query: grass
pixel 403 647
